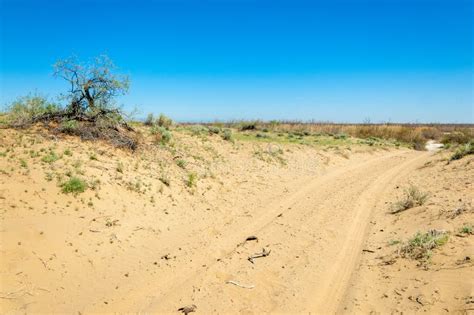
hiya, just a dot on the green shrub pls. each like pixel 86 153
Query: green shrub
pixel 462 151
pixel 69 126
pixel 74 185
pixel 162 135
pixel 22 110
pixel 227 135
pixel 164 121
pixel 214 129
pixel 197 130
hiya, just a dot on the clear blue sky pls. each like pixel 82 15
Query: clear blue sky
pixel 338 60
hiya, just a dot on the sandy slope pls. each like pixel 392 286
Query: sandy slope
pixel 117 249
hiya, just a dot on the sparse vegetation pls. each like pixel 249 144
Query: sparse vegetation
pixel 181 163
pixel 467 229
pixel 413 197
pixel 420 246
pixel 74 185
pixel 191 180
pixel 50 157
pixel 462 151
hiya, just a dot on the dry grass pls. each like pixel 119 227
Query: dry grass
pixel 413 197
pixel 415 135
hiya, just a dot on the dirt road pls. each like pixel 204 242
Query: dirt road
pixel 315 236
pixel 119 256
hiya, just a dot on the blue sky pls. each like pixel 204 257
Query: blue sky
pixel 339 60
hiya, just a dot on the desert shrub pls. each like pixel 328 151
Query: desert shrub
pixel 420 246
pixel 22 110
pixel 149 120
pixel 162 134
pixel 67 152
pixel 248 125
pixel 430 133
pixel 69 127
pixel 227 135
pixel 460 136
pixel 413 197
pixel 197 130
pixel 214 129
pixel 164 121
pixel 74 185
pixel 462 151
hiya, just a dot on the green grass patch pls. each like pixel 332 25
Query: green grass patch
pixel 74 185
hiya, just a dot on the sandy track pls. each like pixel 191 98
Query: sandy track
pixel 184 248
pixel 315 235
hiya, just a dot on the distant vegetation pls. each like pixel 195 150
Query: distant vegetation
pixel 88 109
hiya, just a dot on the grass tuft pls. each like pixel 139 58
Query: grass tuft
pixel 413 198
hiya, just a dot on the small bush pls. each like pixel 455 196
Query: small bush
pixel 164 121
pixel 413 198
pixel 421 245
pixel 460 136
pixel 21 111
pixel 214 130
pixel 74 185
pixel 149 120
pixel 462 151
pixel 69 127
pixel 248 125
pixel 68 152
pixel 197 130
pixel 227 135
pixel 162 135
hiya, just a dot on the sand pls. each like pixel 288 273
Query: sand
pixel 134 244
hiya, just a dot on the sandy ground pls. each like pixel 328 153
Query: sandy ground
pixel 134 244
